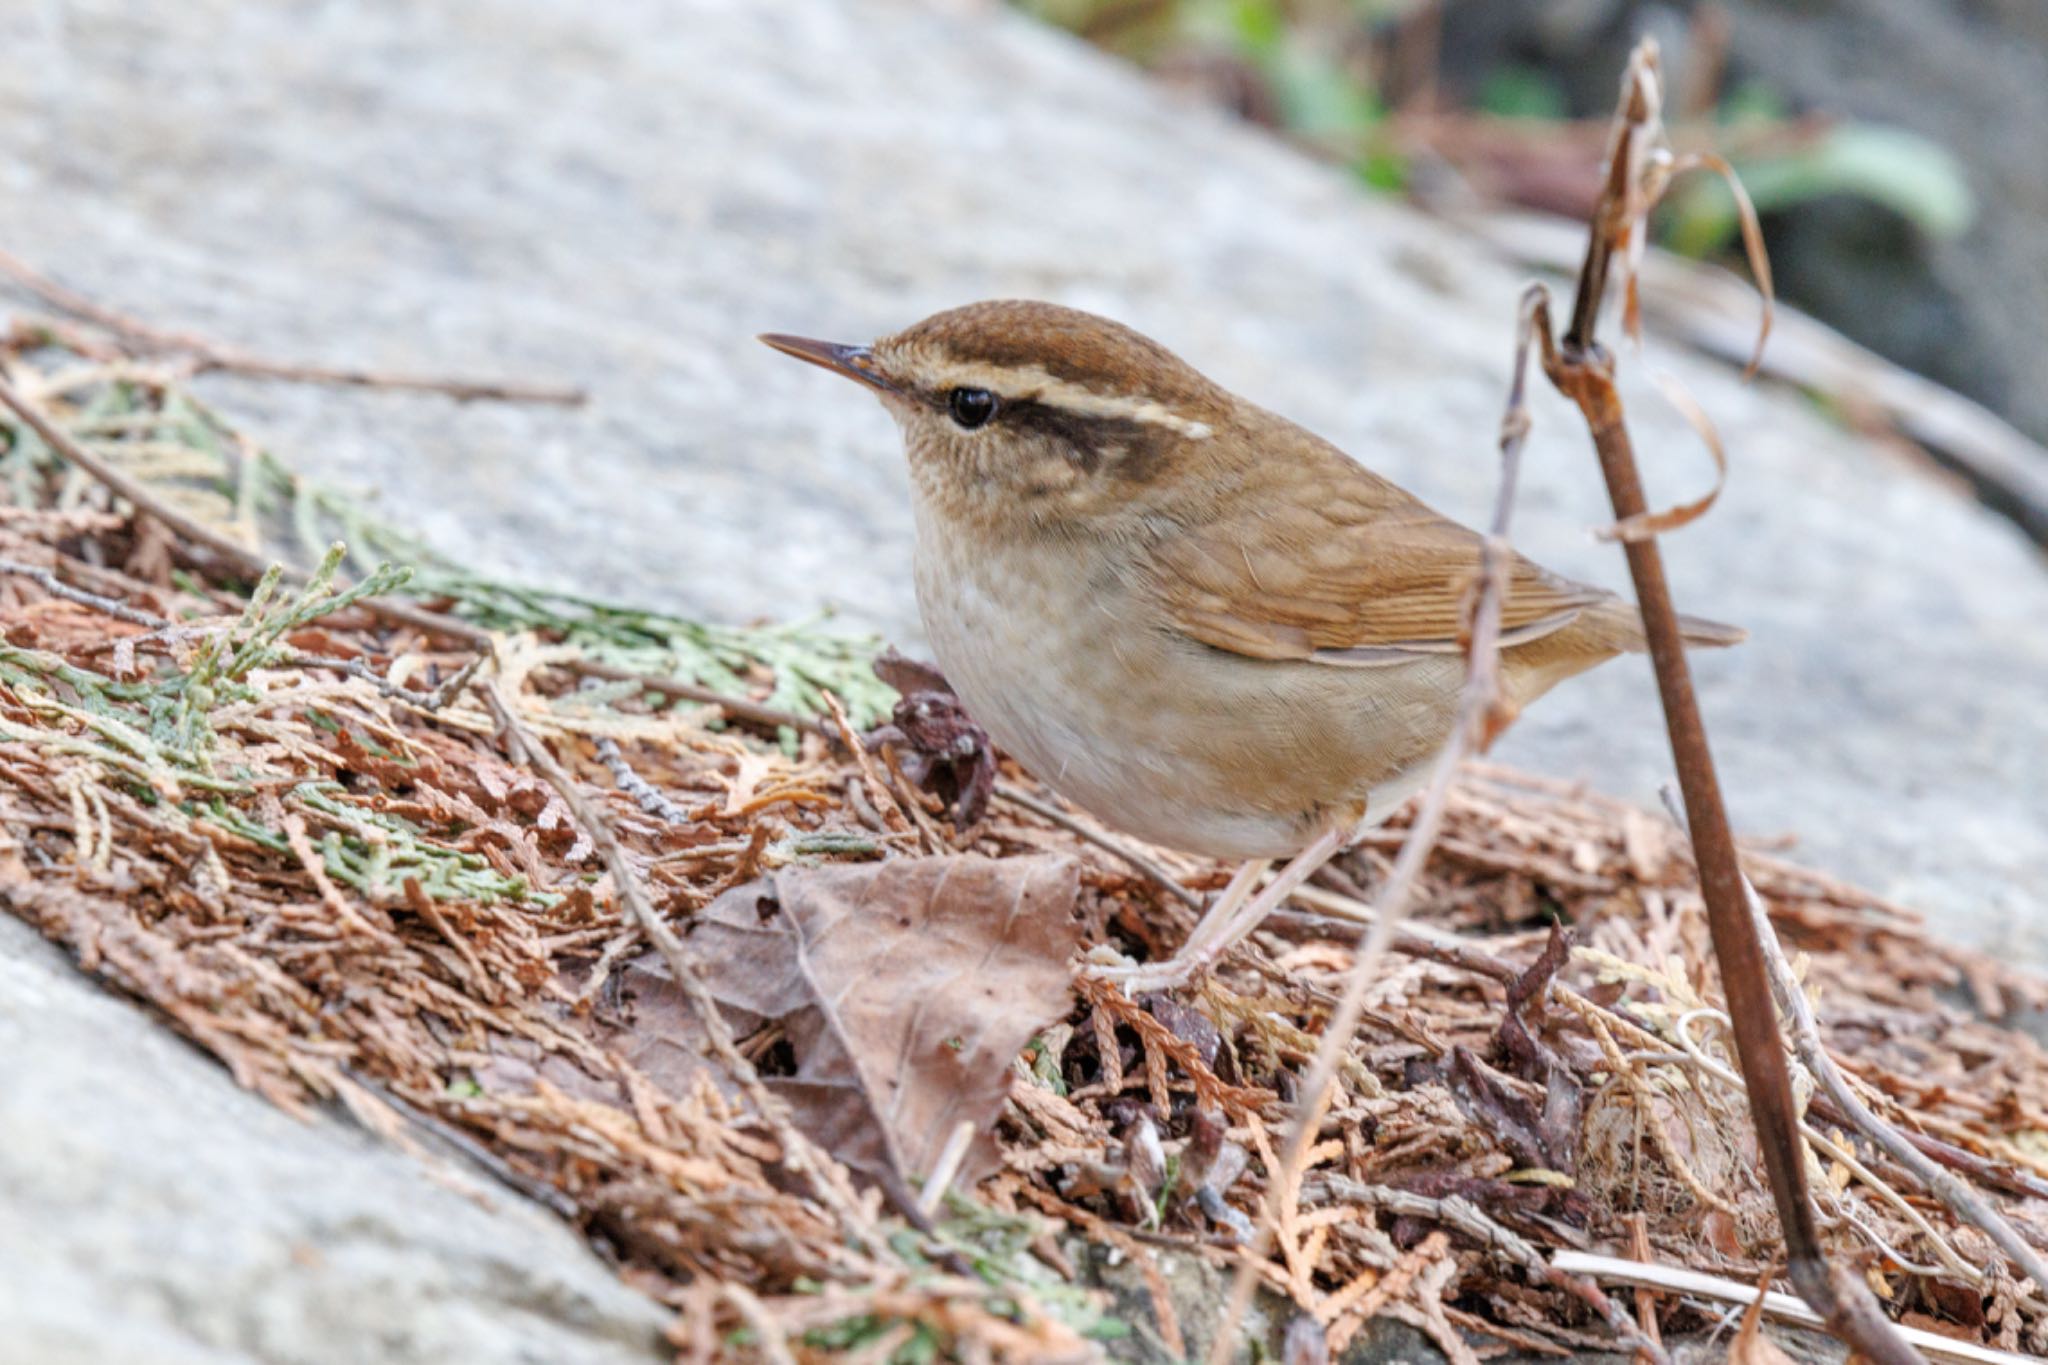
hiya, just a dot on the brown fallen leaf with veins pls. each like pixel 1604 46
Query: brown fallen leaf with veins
pixel 904 988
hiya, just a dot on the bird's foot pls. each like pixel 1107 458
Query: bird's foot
pixel 1138 978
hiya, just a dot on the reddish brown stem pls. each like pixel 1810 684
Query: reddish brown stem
pixel 1584 372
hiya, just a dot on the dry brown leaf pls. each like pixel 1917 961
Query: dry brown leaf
pixel 1751 1346
pixel 905 989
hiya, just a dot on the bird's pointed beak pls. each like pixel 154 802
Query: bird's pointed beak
pixel 855 362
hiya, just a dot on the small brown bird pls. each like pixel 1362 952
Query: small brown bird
pixel 1196 620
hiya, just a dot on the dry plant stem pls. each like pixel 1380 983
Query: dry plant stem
pixel 1698 1285
pixel 1994 1174
pixel 121 485
pixel 798 1152
pixel 739 708
pixel 354 668
pixel 1583 372
pixel 1467 1218
pixel 1479 718
pixel 234 361
pixel 1961 1200
pixel 644 793
pixel 204 354
pixel 419 618
pixel 446 692
pixel 56 587
pixel 1115 847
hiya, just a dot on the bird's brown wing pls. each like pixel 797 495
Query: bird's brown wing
pixel 1348 572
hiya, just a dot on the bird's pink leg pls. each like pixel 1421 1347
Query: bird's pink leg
pixel 1227 904
pixel 1231 923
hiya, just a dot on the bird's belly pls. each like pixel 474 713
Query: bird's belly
pixel 1177 744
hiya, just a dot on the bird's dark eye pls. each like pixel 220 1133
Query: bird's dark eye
pixel 971 408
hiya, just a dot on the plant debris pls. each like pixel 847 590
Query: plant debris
pixel 294 825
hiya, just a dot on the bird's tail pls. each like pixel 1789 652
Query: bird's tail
pixel 1619 627
pixel 1709 634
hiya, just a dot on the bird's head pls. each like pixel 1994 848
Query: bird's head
pixel 1020 415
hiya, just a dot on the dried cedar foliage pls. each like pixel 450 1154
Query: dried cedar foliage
pixel 260 810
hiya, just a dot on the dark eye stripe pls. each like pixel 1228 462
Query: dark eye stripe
pixel 1088 435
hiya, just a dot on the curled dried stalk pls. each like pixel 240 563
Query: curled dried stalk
pixel 1650 524
pixel 1642 169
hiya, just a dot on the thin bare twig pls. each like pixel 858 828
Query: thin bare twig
pixel 448 689
pixel 644 793
pixel 123 485
pixel 56 587
pixel 1482 713
pixel 210 542
pixel 739 708
pixel 439 697
pixel 1108 843
pixel 1782 1306
pixel 200 353
pixel 1468 1218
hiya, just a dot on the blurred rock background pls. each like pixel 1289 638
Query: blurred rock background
pixel 1941 267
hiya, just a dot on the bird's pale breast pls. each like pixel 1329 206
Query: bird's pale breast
pixel 1067 664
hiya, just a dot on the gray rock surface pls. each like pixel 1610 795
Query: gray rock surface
pixel 621 195
pixel 151 1211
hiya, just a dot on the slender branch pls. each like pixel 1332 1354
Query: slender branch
pixel 1697 1284
pixel 238 558
pixel 1992 1173
pixel 1584 372
pixel 1468 1218
pixel 362 672
pixel 644 793
pixel 739 708
pixel 1166 881
pixel 354 668
pixel 124 485
pixel 57 587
